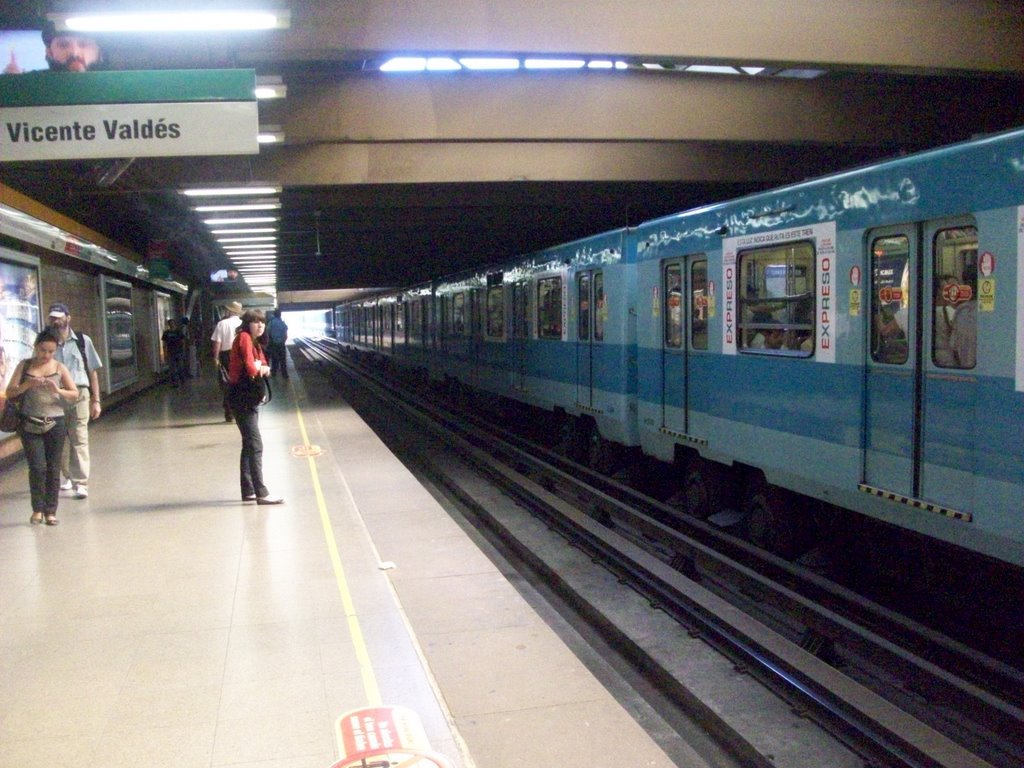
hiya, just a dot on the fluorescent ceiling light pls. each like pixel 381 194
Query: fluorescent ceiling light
pixel 554 63
pixel 257 238
pixel 270 92
pixel 404 64
pixel 602 64
pixel 420 63
pixel 239 207
pixel 712 69
pixel 442 64
pixel 270 137
pixel 270 87
pixel 175 21
pixel 231 191
pixel 489 63
pixel 241 220
pixel 753 70
pixel 247 250
pixel 243 231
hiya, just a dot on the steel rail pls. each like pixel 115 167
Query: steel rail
pixel 840 700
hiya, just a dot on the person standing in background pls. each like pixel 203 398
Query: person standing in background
pixel 191 361
pixel 277 331
pixel 223 337
pixel 80 357
pixel 174 348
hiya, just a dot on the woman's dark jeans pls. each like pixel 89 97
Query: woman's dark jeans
pixel 251 464
pixel 42 452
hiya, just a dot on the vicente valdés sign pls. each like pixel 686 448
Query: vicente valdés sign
pixel 127 114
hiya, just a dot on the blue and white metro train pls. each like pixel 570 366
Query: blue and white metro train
pixel 856 339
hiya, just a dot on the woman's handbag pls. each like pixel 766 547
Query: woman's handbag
pixel 250 392
pixel 11 417
pixel 10 420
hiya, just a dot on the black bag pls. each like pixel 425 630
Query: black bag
pixel 10 420
pixel 11 417
pixel 250 392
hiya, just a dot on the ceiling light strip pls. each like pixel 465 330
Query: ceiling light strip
pixel 180 21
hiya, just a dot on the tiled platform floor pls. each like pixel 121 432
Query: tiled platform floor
pixel 165 623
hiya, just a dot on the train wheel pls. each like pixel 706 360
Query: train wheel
pixel 771 519
pixel 602 455
pixel 704 488
pixel 570 443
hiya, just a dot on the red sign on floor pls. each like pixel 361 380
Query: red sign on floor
pixel 378 737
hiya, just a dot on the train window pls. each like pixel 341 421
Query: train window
pixel 444 320
pixel 600 308
pixel 674 306
pixel 777 300
pixel 496 312
pixel 699 304
pixel 954 298
pixel 549 308
pixel 459 314
pixel 426 321
pixel 415 321
pixel 890 299
pixel 400 313
pixel 583 284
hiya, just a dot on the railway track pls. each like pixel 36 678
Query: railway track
pixel 894 691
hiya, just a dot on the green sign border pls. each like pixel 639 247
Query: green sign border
pixel 43 89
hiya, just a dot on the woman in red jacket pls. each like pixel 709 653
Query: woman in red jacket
pixel 247 367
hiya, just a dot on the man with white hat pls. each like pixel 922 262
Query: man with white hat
pixel 223 337
pixel 82 360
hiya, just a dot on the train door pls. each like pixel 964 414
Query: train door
pixel 673 357
pixel 920 387
pixel 475 336
pixel 584 339
pixel 684 292
pixel 520 335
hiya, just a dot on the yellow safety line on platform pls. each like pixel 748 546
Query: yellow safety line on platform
pixel 362 654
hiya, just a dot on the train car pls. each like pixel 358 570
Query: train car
pixel 834 345
pixel 856 339
pixel 553 330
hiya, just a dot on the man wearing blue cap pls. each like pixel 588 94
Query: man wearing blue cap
pixel 81 359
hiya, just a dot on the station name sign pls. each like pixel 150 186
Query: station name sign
pixel 160 113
